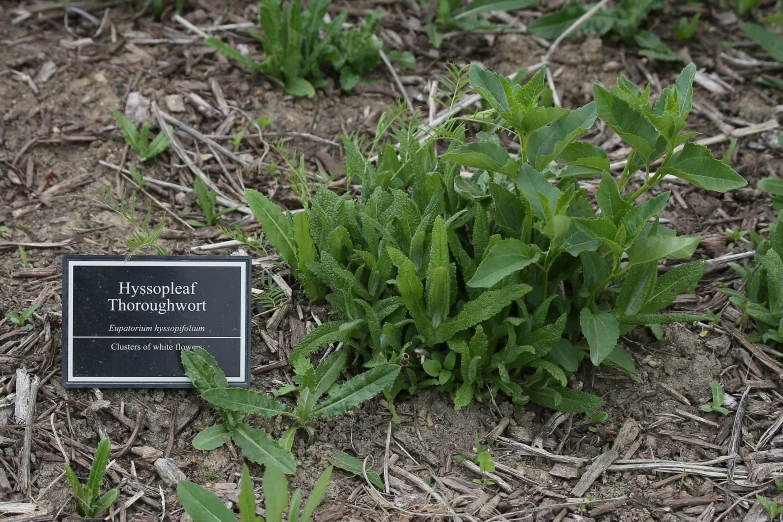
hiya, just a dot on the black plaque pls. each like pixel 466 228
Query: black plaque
pixel 126 321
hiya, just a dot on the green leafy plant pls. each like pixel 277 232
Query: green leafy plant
pixel 623 21
pixel 519 277
pixel 138 141
pixel 204 506
pixel 206 199
pixel 774 188
pixel 91 502
pixel 237 139
pixel 779 485
pixel 762 298
pixel 684 28
pixel 718 398
pixel 138 178
pixel 23 256
pixel 773 510
pixel 312 403
pixel 734 236
pixel 256 241
pixel 484 461
pixel 20 319
pixel 450 15
pixel 145 234
pixel 299 46
pixel 743 7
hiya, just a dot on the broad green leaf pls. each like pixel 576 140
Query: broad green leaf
pixel 329 371
pixel 261 448
pixel 566 399
pixel 545 144
pixel 655 248
pixel 534 186
pixel 505 258
pixel 601 331
pixel 317 495
pixel 552 369
pixel 564 355
pixel 210 438
pixel 463 396
pixel 438 274
pixel 411 290
pixel 327 333
pixel 695 164
pixel 105 501
pixel 245 401
pixel 683 85
pixel 771 42
pixel 553 25
pixel 361 388
pixel 623 361
pixel 247 498
pixel 431 367
pixel 483 155
pixel 490 86
pixel 679 280
pixel 636 289
pixel 509 209
pixel 278 227
pixel 595 270
pixel 773 264
pixel 275 487
pixel 627 122
pixel 299 87
pixel 201 504
pixel 478 310
pixel 355 466
pixel 609 200
pixel 772 186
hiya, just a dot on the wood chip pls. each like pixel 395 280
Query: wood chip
pixel 564 471
pixel 168 471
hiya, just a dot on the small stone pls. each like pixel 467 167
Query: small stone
pixel 137 108
pixel 168 471
pixel 653 363
pixel 175 103
pixel 147 452
pixel 564 471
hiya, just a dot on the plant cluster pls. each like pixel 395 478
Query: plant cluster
pixel 451 15
pixel 623 21
pixel 206 198
pixel 761 300
pixel 91 502
pixel 506 277
pixel 145 233
pixel 484 461
pixel 300 47
pixel 20 319
pixel 318 396
pixel 139 140
pixel 204 506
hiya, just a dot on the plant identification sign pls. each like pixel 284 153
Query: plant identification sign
pixel 126 322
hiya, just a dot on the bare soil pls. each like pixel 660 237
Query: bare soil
pixel 54 132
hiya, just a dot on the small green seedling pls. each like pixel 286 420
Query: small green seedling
pixel 138 140
pixel 734 236
pixel 440 368
pixel 237 139
pixel 20 319
pixel 311 385
pixel 25 262
pixel 779 485
pixel 717 400
pixel 145 234
pixel 204 506
pixel 484 461
pixel 264 122
pixel 255 241
pixel 91 503
pixel 685 28
pixel 773 510
pixel 138 178
pixel 597 417
pixel 207 202
pixel 3 229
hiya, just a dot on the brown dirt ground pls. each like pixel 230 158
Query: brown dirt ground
pixel 63 130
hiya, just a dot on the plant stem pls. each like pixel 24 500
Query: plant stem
pixel 626 171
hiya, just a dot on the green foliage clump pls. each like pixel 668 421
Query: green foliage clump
pixel 318 397
pixel 510 268
pixel 20 319
pixel 623 21
pixel 450 15
pixel 138 140
pixel 204 506
pixel 762 298
pixel 91 502
pixel 300 47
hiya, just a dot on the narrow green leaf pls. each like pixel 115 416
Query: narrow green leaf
pixel 329 371
pixel 278 227
pixel 105 501
pixel 245 401
pixel 247 498
pixel 771 42
pixel 201 504
pixel 99 461
pixel 233 54
pixel 210 438
pixel 485 6
pixel 317 495
pixel 331 332
pixel 601 331
pixel 275 487
pixel 261 448
pixel 355 466
pixel 357 390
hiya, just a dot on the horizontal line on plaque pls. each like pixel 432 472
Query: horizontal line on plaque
pixel 145 337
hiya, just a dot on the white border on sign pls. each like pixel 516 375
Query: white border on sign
pixel 143 380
